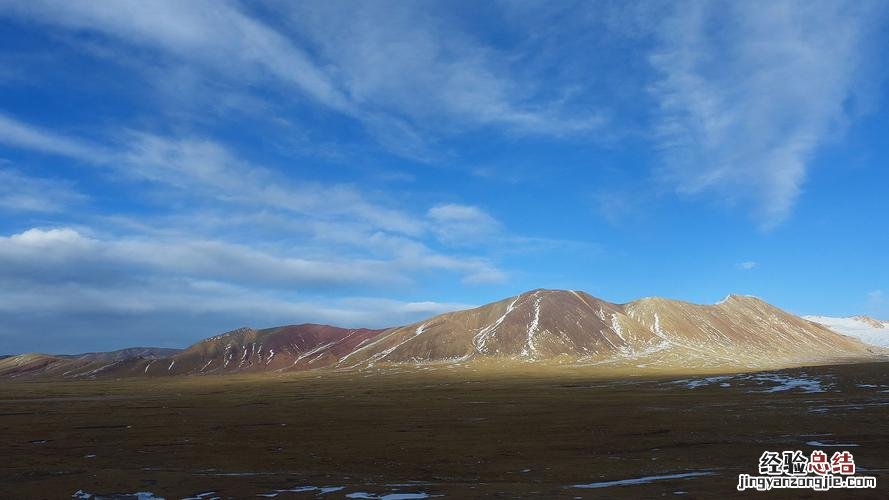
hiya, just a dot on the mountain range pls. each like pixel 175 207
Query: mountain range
pixel 539 327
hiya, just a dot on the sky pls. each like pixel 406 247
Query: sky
pixel 171 170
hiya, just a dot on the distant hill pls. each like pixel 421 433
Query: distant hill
pixel 864 328
pixel 130 352
pixel 243 350
pixel 537 327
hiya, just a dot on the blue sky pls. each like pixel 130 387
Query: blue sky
pixel 169 170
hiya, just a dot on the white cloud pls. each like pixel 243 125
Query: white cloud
pixel 746 265
pixel 64 254
pixel 749 91
pixel 196 169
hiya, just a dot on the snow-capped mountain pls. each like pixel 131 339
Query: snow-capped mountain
pixel 864 328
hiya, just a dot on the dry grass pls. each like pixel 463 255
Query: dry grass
pixel 468 433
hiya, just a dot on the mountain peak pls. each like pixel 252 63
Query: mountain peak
pixel 736 297
pixel 872 322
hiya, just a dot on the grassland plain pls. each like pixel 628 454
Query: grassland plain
pixel 464 432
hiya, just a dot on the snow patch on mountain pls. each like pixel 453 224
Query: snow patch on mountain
pixel 865 329
pixel 480 340
pixel 530 349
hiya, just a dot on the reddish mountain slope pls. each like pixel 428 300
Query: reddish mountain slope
pixel 294 347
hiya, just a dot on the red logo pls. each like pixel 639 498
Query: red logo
pixel 842 463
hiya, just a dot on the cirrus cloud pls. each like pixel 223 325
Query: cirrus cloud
pixel 748 92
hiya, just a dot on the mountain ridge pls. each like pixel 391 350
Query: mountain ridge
pixel 540 326
pixel 578 325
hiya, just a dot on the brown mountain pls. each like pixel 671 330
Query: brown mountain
pixel 540 326
pixel 574 327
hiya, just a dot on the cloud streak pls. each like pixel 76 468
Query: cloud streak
pixel 407 60
pixel 208 169
pixel 748 92
pixel 219 35
pixel 404 74
pixel 19 134
pixel 20 192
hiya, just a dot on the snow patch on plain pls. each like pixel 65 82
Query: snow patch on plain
pixel 819 443
pixel 643 480
pixel 139 495
pixel 781 382
pixel 319 490
pixel 389 496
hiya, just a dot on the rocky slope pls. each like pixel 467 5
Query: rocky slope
pixel 540 327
